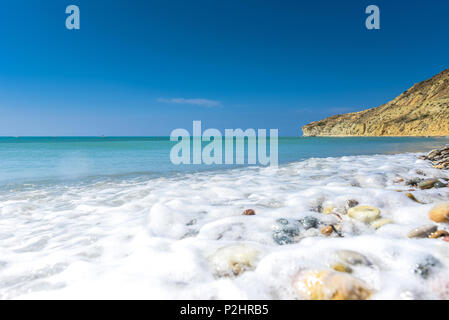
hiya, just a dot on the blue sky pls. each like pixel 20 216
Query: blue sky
pixel 148 67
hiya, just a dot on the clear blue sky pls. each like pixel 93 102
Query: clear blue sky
pixel 146 67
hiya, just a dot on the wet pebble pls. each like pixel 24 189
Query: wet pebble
pixel 309 222
pixel 427 184
pixel 440 184
pixel 365 214
pixel 327 230
pixel 285 231
pixel 352 258
pixel 423 231
pixel 425 268
pixel 330 285
pixel 249 212
pixel 440 212
pixel 234 260
pixel 412 197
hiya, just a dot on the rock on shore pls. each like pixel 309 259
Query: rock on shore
pixel 439 158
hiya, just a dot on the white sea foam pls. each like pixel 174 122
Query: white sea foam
pixel 154 238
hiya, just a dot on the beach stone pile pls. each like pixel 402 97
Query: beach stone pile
pixel 439 158
pixel 338 278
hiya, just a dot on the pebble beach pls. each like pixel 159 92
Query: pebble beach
pixel 353 227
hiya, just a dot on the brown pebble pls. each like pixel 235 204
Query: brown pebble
pixel 327 230
pixel 423 231
pixel 249 212
pixel 440 213
pixel 411 197
pixel 427 184
pixel 439 234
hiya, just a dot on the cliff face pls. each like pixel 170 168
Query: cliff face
pixel 423 110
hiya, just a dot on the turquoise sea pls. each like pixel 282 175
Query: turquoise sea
pixel 42 160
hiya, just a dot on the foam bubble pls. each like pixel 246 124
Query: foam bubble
pixel 153 238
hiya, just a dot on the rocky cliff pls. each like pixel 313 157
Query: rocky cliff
pixel 422 110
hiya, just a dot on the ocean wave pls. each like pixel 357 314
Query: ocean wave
pixel 166 237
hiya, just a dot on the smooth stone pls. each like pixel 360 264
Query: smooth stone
pixel 440 184
pixel 330 285
pixel 441 161
pixel 380 223
pixel 425 268
pixel 433 153
pixel 365 214
pixel 427 184
pixel 412 197
pixel 282 239
pixel 309 222
pixel 352 257
pixel 423 231
pixel 234 260
pixel 440 212
pixel 286 231
pixel 249 212
pixel 327 230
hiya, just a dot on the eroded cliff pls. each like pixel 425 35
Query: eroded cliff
pixel 423 110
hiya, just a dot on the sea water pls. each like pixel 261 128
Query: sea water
pixel 28 160
pixel 113 218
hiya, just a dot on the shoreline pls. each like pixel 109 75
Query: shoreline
pixel 209 171
pixel 302 219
